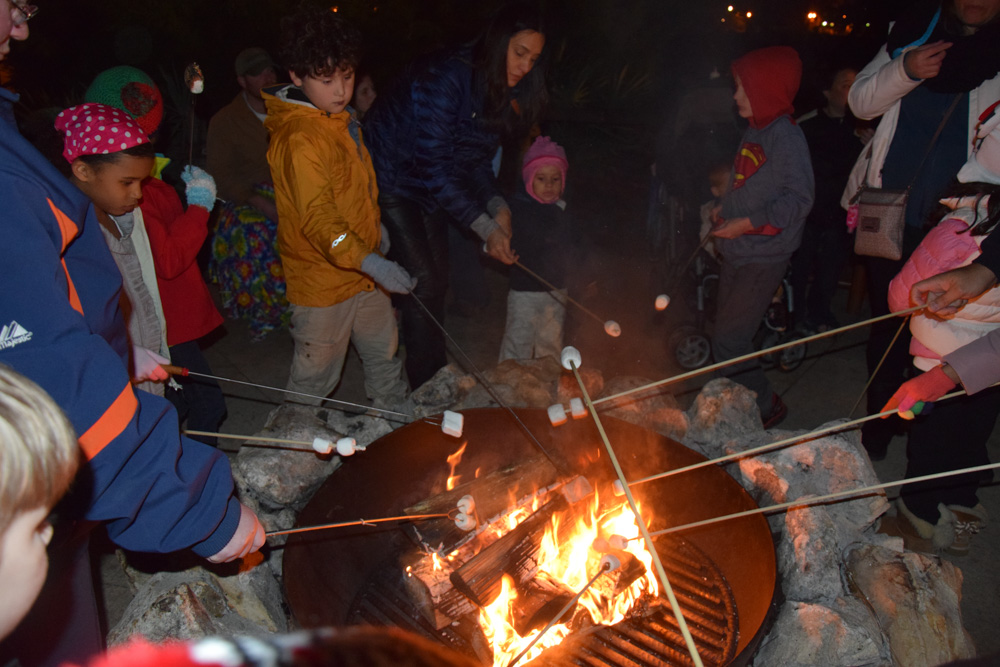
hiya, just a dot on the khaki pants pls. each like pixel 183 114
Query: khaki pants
pixel 534 325
pixel 321 337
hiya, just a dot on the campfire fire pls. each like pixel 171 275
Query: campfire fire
pixel 570 564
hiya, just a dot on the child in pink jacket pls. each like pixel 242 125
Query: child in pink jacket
pixel 945 514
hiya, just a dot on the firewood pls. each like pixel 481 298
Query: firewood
pixel 494 493
pixel 538 602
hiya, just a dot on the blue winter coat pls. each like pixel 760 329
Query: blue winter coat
pixel 62 328
pixel 429 143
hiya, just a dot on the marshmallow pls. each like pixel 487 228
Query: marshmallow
pixel 577 408
pixel 557 414
pixel 452 423
pixel 617 488
pixel 347 446
pixel 662 302
pixel 612 328
pixel 465 522
pixel 619 542
pixel 198 86
pixel 610 562
pixel 600 545
pixel 571 354
pixel 466 504
pixel 322 446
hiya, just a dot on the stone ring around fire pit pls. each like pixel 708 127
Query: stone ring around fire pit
pixel 723 575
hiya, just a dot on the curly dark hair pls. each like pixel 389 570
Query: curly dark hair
pixel 489 55
pixel 316 42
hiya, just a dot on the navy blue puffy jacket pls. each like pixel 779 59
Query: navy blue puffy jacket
pixel 428 140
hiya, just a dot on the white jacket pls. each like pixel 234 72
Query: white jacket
pixel 878 91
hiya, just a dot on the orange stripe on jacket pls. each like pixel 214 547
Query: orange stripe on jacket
pixel 110 425
pixel 69 231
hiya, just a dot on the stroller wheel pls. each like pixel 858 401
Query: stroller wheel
pixel 792 357
pixel 691 347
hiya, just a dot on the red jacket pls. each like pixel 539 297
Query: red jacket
pixel 175 237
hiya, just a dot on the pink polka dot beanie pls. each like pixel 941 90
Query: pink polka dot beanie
pixel 97 129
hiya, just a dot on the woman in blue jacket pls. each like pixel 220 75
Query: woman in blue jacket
pixel 433 136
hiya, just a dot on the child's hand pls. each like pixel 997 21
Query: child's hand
pixel 249 537
pixel 200 187
pixel 925 388
pixel 731 229
pixel 147 365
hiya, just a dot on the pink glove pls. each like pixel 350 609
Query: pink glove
pixel 924 388
pixel 249 537
pixel 146 365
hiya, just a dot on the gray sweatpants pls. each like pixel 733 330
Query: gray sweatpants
pixel 534 325
pixel 321 337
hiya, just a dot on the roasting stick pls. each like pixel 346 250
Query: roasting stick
pixel 561 467
pixel 359 522
pixel 778 444
pixel 661 573
pixel 815 500
pixel 184 372
pixel 556 289
pixel 754 355
pixel 257 438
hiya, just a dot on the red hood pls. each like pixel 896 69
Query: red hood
pixel 770 78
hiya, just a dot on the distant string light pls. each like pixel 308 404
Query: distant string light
pixel 811 16
pixel 749 14
pixel 729 8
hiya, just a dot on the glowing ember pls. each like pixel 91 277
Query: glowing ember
pixel 453 461
pixel 572 563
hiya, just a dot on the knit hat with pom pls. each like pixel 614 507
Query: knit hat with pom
pixel 543 152
pixel 131 90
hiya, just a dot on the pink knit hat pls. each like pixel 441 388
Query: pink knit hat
pixel 543 152
pixel 96 129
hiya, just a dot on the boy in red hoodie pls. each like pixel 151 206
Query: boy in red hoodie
pixel 760 220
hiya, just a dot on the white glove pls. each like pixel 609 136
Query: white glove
pixel 388 274
pixel 249 537
pixel 146 365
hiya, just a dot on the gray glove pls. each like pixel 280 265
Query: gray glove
pixel 388 274
pixel 383 247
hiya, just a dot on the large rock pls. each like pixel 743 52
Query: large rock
pixel 723 412
pixel 656 411
pixel 809 556
pixel 445 389
pixel 916 599
pixel 818 467
pixel 196 603
pixel 843 634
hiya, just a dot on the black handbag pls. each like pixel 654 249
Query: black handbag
pixel 882 212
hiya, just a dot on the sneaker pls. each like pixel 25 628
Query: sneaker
pixel 966 522
pixel 917 534
pixel 776 414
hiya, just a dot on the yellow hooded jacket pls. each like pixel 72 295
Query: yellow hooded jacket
pixel 325 191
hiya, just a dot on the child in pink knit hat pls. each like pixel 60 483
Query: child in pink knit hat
pixel 536 315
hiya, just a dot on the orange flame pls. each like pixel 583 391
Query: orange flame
pixel 453 461
pixel 573 563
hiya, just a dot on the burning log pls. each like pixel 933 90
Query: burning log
pixel 494 494
pixel 538 602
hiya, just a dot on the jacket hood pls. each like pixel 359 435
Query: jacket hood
pixel 771 79
pixel 287 102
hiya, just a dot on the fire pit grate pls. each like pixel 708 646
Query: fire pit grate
pixel 650 639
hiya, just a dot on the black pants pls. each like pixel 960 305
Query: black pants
pixel 877 433
pixel 419 243
pixel 824 250
pixel 951 437
pixel 200 400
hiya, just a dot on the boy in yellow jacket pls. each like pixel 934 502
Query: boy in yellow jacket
pixel 329 229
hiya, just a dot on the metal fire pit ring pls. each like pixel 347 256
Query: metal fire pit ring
pixel 325 571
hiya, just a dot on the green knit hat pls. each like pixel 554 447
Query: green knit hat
pixel 130 90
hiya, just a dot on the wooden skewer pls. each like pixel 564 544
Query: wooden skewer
pixel 840 495
pixel 657 564
pixel 754 355
pixel 256 438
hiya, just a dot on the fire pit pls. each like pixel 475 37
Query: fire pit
pixel 723 575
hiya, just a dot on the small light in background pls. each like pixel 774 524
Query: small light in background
pixel 749 14
pixel 823 23
pixel 811 16
pixel 729 8
pixel 335 9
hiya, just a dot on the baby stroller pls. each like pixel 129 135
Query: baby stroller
pixel 690 343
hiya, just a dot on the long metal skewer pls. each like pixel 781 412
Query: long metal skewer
pixel 562 612
pixel 180 370
pixel 555 289
pixel 643 529
pixel 359 522
pixel 840 495
pixel 754 355
pixel 559 465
